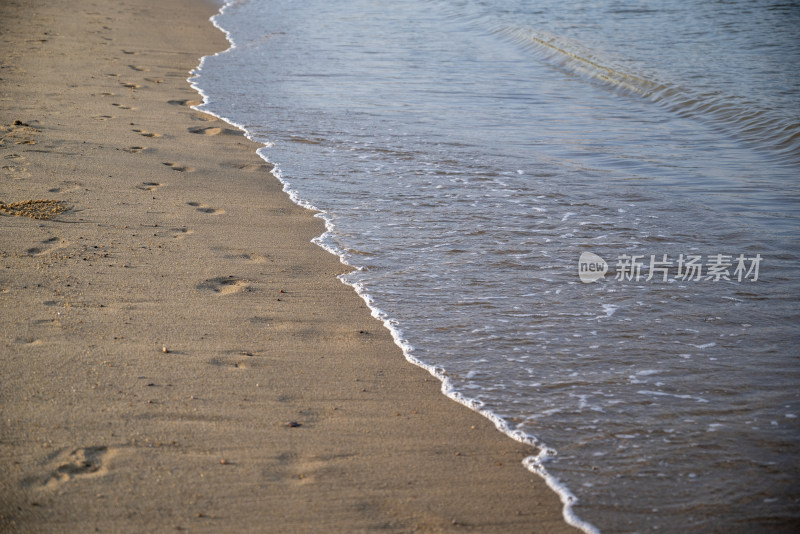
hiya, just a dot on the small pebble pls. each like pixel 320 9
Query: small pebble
pixel 293 424
pixel 164 349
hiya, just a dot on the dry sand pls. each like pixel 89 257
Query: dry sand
pixel 175 353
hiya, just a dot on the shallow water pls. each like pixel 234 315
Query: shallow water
pixel 465 153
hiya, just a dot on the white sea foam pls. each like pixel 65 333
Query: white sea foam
pixel 675 395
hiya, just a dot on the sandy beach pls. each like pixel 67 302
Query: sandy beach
pixel 176 353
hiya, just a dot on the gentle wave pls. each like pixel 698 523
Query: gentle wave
pixel 757 127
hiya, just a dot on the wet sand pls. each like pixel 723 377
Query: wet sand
pixel 176 354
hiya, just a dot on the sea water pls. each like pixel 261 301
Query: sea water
pixel 466 154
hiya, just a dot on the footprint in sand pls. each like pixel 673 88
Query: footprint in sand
pixel 66 187
pixel 211 130
pixel 179 168
pixel 121 106
pixel 104 117
pixel 244 360
pixel 16 168
pixel 255 258
pixel 87 462
pixel 189 103
pixel 28 340
pixel 134 149
pixel 214 130
pixel 130 85
pixel 138 68
pixel 128 52
pixel 18 133
pixel 147 134
pixel 203 208
pixel 224 285
pixel 248 167
pixel 297 469
pixel 203 117
pixel 149 186
pixel 249 256
pixel 47 246
pixel 180 233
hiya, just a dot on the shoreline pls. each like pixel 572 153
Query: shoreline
pixel 177 353
pixel 533 463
